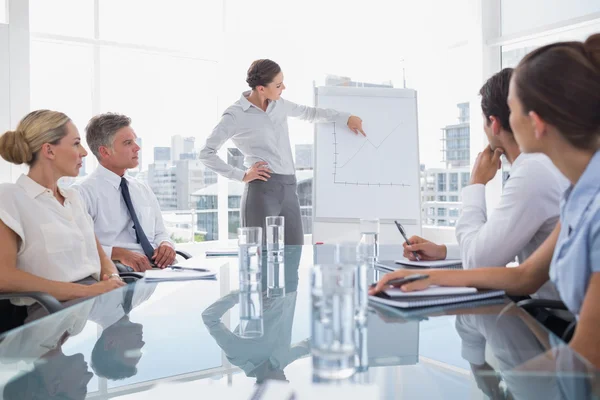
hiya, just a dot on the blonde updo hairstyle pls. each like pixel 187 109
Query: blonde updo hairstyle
pixel 22 145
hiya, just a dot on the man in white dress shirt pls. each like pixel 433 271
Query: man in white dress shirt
pixel 529 205
pixel 127 217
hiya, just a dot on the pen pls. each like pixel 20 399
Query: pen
pixel 179 268
pixel 401 229
pixel 406 279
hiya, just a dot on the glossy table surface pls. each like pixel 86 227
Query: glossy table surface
pixel 134 342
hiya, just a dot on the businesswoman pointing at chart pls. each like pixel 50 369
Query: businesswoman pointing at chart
pixel 257 125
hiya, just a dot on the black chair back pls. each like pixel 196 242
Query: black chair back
pixel 11 316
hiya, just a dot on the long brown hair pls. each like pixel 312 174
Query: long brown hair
pixel 561 83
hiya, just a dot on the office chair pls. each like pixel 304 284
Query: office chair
pixel 125 269
pixel 14 316
pixel 540 309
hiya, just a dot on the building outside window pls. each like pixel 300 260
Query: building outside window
pixel 453 182
pixel 441 179
pixel 464 179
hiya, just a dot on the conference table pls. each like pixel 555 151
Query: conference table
pixel 181 339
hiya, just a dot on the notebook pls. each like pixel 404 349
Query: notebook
pixel 433 296
pixel 232 252
pixel 389 265
pixel 394 314
pixel 443 264
pixel 168 274
pixel 432 290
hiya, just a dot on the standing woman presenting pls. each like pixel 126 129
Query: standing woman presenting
pixel 257 125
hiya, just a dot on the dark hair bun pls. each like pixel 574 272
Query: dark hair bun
pixel 262 72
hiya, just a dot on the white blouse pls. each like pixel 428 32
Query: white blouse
pixel 57 241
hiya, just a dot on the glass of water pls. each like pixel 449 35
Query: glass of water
pixel 362 352
pixel 332 338
pixel 250 249
pixel 348 253
pixel 250 263
pixel 275 256
pixel 369 240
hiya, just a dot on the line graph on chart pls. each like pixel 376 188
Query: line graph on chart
pixel 361 161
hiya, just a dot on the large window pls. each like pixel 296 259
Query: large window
pixel 514 52
pixel 162 74
pixel 174 76
pixel 70 18
pixel 516 13
pixel 61 79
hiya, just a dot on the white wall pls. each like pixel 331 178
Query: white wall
pixel 519 16
pixel 4 95
pixel 14 75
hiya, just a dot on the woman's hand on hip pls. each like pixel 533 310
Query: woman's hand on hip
pixel 258 171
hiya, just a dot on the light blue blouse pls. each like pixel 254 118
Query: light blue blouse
pixel 577 253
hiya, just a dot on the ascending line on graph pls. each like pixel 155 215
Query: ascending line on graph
pixel 364 143
pixel 356 183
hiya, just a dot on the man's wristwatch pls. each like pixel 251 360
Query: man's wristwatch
pixel 115 276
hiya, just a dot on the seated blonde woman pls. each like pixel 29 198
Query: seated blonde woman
pixel 47 237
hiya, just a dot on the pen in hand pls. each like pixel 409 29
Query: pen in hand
pixel 401 229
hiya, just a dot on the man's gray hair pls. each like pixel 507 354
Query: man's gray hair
pixel 101 129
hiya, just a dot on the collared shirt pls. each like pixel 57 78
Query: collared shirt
pixel 525 216
pixel 261 135
pixel 101 193
pixel 577 252
pixel 56 241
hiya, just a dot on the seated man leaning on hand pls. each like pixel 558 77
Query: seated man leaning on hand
pixel 529 205
pixel 126 213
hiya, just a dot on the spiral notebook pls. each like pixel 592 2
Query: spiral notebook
pixel 442 264
pixel 390 265
pixel 396 314
pixel 433 296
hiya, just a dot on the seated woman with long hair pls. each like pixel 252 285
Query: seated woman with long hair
pixel 554 98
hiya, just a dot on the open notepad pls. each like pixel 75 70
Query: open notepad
pixel 170 274
pixel 431 264
pixel 432 296
pixel 404 263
